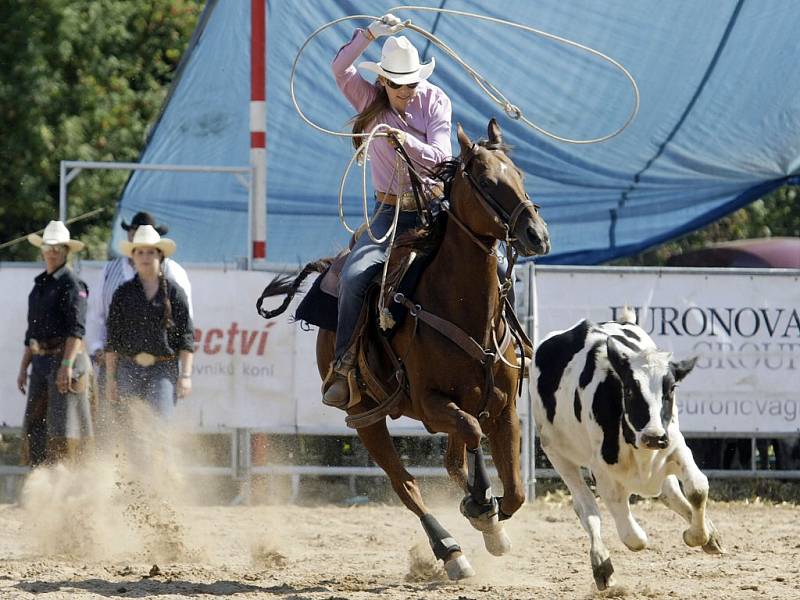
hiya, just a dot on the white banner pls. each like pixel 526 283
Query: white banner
pixel 249 372
pixel 745 328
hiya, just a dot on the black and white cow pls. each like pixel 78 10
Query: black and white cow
pixel 604 399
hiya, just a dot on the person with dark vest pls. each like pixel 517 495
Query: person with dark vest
pixel 58 420
pixel 150 339
pixel 116 272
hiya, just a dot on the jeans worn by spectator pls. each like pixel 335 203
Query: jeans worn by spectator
pixel 155 385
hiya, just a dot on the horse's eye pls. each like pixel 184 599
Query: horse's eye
pixel 484 182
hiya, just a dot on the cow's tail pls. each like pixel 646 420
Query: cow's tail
pixel 287 284
pixel 627 316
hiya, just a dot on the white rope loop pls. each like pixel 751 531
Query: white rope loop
pixel 510 109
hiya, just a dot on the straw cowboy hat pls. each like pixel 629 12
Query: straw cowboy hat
pixel 400 62
pixel 146 236
pixel 144 218
pixel 55 234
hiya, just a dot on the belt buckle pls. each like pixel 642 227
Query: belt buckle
pixel 34 346
pixel 144 359
pixel 406 201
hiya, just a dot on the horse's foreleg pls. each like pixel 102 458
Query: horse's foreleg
pixel 379 444
pixel 481 508
pixel 504 440
pixel 479 505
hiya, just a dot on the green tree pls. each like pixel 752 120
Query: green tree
pixel 776 214
pixel 82 80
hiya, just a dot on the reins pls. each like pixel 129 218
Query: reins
pixel 490 351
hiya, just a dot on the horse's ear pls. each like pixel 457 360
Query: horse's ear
pixel 495 136
pixel 463 140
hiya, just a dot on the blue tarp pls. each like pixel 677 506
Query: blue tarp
pixel 718 125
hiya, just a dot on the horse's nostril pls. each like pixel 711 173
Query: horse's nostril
pixel 541 242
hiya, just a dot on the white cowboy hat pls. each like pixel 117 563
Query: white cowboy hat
pixel 146 236
pixel 55 234
pixel 400 62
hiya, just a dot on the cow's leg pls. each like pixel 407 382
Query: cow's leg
pixel 585 506
pixel 701 531
pixel 673 498
pixel 379 444
pixel 479 505
pixel 617 499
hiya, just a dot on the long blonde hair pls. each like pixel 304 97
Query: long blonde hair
pixel 371 112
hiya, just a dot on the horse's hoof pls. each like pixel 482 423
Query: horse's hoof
pixel 497 541
pixel 714 544
pixel 694 538
pixel 459 568
pixel 603 574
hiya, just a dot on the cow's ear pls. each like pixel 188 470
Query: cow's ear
pixel 618 357
pixel 683 368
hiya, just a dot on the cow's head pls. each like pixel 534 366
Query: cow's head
pixel 648 381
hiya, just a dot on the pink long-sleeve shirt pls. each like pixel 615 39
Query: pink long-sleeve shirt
pixel 426 121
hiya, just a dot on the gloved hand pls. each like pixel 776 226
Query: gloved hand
pixel 388 25
pixel 399 135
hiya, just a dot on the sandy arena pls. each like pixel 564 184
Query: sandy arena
pixel 130 525
pixel 145 548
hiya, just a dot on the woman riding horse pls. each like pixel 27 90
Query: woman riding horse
pixel 461 373
pixel 419 115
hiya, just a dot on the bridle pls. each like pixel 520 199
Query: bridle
pixel 501 216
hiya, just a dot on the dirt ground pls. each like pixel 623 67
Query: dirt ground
pixel 59 546
pixel 130 523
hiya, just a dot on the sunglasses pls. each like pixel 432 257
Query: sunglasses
pixel 397 86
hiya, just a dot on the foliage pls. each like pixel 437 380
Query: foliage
pixel 776 214
pixel 82 80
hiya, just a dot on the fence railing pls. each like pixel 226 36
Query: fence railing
pixel 242 470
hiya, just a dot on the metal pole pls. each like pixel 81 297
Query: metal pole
pixel 62 191
pixel 532 334
pixel 258 127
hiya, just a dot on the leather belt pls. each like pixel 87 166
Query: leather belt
pixel 46 347
pixel 145 359
pixel 407 203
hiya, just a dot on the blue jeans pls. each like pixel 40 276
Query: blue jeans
pixel 51 415
pixel 363 263
pixel 154 385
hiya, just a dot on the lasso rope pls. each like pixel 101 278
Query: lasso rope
pixel 511 110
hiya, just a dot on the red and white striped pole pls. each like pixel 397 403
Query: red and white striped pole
pixel 258 126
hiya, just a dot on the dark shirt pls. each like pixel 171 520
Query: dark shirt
pixel 57 306
pixel 135 323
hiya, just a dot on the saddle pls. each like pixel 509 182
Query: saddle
pixel 319 307
pixel 378 372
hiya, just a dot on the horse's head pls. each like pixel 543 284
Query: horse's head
pixel 489 196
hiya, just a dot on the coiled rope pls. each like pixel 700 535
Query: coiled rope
pixel 511 110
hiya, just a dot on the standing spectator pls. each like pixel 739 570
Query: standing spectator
pixel 116 272
pixel 57 423
pixel 150 340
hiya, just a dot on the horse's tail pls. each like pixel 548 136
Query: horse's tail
pixel 285 284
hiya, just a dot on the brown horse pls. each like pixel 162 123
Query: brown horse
pixel 462 384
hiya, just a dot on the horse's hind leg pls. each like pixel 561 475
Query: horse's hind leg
pixel 455 461
pixel 379 444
